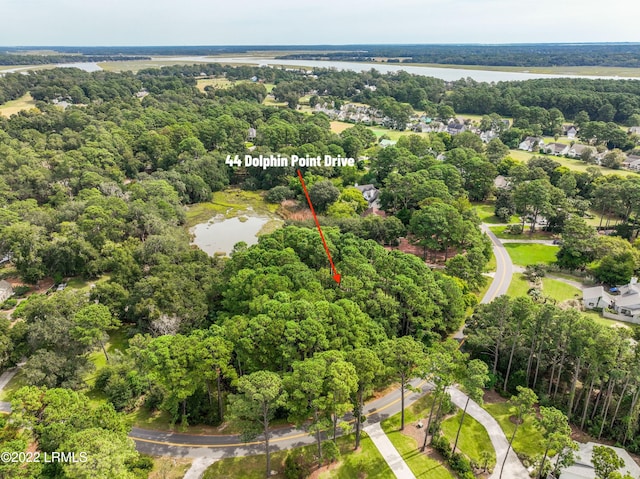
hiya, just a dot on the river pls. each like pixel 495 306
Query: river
pixel 447 74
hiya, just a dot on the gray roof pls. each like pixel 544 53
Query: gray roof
pixel 594 292
pixel 5 286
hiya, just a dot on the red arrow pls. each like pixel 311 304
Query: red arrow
pixel 336 276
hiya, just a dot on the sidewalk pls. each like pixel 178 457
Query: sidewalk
pixel 389 452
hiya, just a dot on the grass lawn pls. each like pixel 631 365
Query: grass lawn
pixel 421 464
pixel 492 265
pixel 519 286
pixel 604 321
pixel 531 253
pixel 118 341
pixel 473 437
pixel 25 102
pixel 536 235
pixel 219 83
pixel 575 165
pixel 230 203
pixel 559 291
pixel 169 467
pixel 485 213
pixel 340 126
pixel 367 460
pixel 528 439
pixel 12 386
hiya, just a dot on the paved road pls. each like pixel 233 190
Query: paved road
pixel 218 447
pixel 513 468
pixel 501 278
pixel 504 268
pixel 389 452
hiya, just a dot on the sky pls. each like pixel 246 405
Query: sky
pixel 311 22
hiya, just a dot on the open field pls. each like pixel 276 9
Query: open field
pixel 524 254
pixel 340 126
pixel 137 65
pixel 575 165
pixel 25 102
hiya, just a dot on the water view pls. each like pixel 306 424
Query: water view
pixel 220 235
pixel 447 74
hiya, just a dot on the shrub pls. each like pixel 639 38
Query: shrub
pixel 20 291
pixel 296 466
pixel 441 444
pixel 278 194
pixel 330 451
pixel 513 229
pixel 9 303
pixel 460 464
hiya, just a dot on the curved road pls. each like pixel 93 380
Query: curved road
pixel 221 446
pixel 504 268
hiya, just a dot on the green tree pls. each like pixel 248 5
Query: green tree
pixel 260 394
pixel 91 325
pixel 322 194
pixel 555 429
pixel 522 404
pixel 368 368
pixel 473 380
pixel 402 356
pixel 605 462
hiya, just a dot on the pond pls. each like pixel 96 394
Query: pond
pixel 219 235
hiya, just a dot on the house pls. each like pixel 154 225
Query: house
pixel 6 291
pixel 621 303
pixel 370 193
pixel 531 143
pixel 582 468
pixel 456 128
pixel 571 131
pixel 251 134
pixel 632 162
pixel 558 149
pixel 384 143
pixel 634 130
pixel 487 136
pixel 501 183
pixel 577 150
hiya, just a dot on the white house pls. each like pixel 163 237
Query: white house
pixel 531 143
pixel 370 193
pixel 621 303
pixel 6 291
pixel 558 149
pixel 571 132
pixel 577 149
pixel 583 467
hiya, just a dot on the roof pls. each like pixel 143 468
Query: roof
pixel 594 292
pixel 364 188
pixel 583 469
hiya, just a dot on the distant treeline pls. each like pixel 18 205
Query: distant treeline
pixel 548 55
pixel 13 59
